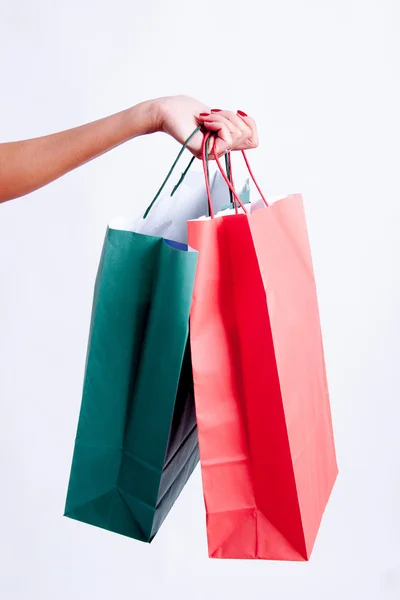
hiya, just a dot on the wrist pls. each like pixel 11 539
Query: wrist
pixel 145 118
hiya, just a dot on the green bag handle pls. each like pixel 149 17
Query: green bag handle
pixel 171 170
pixel 227 164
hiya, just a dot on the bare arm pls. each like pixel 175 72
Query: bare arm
pixel 28 165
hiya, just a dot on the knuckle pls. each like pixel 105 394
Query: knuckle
pixel 228 136
pixel 248 133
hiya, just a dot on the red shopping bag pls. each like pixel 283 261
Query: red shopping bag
pixel 264 423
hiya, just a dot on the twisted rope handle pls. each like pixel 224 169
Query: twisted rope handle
pixel 205 160
pixel 148 209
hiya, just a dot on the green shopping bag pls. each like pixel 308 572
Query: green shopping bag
pixel 136 443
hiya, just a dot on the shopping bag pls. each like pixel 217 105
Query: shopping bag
pixel 136 443
pixel 264 423
pixel 188 200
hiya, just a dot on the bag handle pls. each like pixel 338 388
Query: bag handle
pixel 228 180
pixel 230 184
pixel 246 160
pixel 148 209
pixel 205 159
pixel 228 169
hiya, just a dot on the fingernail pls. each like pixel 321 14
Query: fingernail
pixel 204 114
pixel 215 110
pixel 241 113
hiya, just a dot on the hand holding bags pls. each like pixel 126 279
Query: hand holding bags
pixel 266 443
pixel 265 433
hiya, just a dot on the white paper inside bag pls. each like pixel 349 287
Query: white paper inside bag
pixel 169 216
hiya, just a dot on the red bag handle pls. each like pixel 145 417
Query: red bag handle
pixel 204 158
pixel 229 183
pixel 246 160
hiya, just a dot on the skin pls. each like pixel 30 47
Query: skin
pixel 28 165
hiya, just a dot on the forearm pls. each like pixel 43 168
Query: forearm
pixel 28 165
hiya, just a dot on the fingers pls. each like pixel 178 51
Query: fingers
pixel 228 134
pixel 223 140
pixel 241 131
pixel 252 140
pixel 233 131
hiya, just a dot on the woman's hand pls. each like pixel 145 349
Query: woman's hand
pixel 180 115
pixel 28 165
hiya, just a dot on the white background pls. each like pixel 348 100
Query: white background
pixel 322 80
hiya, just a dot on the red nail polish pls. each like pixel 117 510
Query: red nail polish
pixel 215 110
pixel 241 113
pixel 204 114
